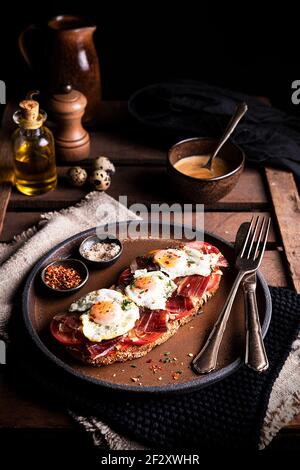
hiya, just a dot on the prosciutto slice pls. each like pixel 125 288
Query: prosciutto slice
pixel 151 326
pixel 142 262
pixel 193 286
pixel 125 277
pixel 96 350
pixel 151 321
pixel 179 306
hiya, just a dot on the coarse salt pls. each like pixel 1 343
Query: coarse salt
pixel 101 251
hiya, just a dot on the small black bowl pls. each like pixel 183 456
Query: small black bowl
pixel 90 241
pixel 68 263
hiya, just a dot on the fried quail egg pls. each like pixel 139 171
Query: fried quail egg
pixel 150 289
pixel 108 314
pixel 85 302
pixel 186 261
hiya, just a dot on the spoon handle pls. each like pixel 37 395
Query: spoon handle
pixel 239 113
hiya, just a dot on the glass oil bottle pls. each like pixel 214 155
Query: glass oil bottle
pixel 33 150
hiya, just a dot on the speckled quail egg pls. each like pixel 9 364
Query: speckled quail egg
pixel 77 176
pixel 103 163
pixel 101 180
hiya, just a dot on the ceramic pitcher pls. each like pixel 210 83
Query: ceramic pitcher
pixel 62 52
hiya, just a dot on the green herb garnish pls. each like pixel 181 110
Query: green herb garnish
pixel 190 262
pixel 125 304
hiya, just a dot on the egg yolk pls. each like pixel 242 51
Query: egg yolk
pixel 102 312
pixel 143 283
pixel 167 259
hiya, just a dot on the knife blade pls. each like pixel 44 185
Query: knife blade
pixel 255 354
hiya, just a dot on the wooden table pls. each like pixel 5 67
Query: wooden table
pixel 141 176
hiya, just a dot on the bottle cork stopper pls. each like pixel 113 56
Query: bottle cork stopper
pixel 30 108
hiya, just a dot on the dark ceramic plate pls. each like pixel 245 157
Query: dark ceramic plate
pixel 39 307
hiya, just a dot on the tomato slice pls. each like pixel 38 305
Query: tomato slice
pixel 213 282
pixel 66 329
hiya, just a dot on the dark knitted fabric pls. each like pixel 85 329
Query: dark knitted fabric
pixel 227 414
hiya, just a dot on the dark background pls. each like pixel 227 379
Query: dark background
pixel 139 43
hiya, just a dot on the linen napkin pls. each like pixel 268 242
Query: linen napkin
pixel 96 209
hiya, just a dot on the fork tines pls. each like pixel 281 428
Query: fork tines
pixel 254 245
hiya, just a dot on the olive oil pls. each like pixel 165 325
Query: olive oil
pixel 33 150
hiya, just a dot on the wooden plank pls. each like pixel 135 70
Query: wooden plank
pixel 146 185
pixel 114 134
pixel 16 222
pixel 126 148
pixel 286 204
pixel 223 224
pixel 273 268
pixel 6 163
pixel 5 191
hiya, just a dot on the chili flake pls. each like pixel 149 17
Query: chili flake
pixel 154 368
pixel 61 277
pixel 176 376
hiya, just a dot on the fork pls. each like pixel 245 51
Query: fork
pixel 247 262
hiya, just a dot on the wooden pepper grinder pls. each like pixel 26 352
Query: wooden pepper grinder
pixel 72 141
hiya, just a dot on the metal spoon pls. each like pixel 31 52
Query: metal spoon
pixel 239 113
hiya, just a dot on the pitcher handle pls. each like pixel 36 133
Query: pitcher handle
pixel 23 45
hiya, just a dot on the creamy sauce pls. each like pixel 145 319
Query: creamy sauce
pixel 191 166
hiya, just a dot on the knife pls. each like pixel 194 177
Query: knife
pixel 255 355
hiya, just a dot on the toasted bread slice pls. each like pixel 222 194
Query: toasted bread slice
pixel 136 351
